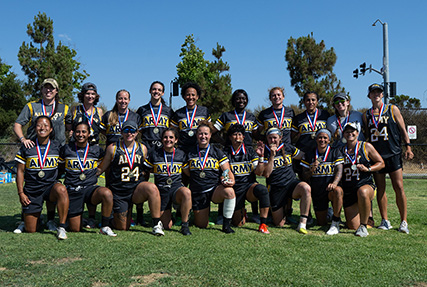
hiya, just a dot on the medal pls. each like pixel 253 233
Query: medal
pixel 353 167
pixel 282 117
pixel 131 174
pixel 156 117
pixel 42 157
pixel 44 109
pixel 376 133
pixel 156 130
pixel 376 121
pixel 169 181
pixel 202 174
pixel 353 158
pixel 313 122
pixel 82 164
pixel 343 140
pixel 130 158
pixel 319 159
pixel 190 133
pixel 82 176
pixel 325 157
pixel 190 121
pixel 313 136
pixel 203 161
pixel 169 167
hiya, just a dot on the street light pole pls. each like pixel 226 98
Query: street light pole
pixel 385 68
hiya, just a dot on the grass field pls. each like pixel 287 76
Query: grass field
pixel 212 258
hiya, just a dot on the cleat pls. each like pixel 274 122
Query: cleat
pixel 106 230
pixel 404 227
pixel 334 229
pixel 51 225
pixel 61 233
pixel 263 228
pixel 301 229
pixel 185 230
pixel 219 220
pixel 90 223
pixel 20 228
pixel 227 229
pixel 362 231
pixel 385 225
pixel 256 218
pixel 132 223
pixel 158 229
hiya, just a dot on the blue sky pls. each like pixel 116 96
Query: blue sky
pixel 129 44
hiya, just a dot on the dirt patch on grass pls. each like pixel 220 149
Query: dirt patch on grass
pixel 147 279
pixel 56 261
pixel 99 284
pixel 419 284
pixel 3 269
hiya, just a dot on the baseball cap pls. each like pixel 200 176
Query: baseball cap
pixel 52 82
pixel 352 125
pixel 89 87
pixel 375 87
pixel 130 124
pixel 340 96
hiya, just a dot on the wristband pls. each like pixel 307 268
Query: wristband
pixel 369 169
pixel 261 159
pixel 20 139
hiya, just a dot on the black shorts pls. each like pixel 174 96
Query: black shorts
pixel 121 202
pixel 37 198
pixel 350 196
pixel 78 196
pixel 392 164
pixel 241 192
pixel 168 196
pixel 280 194
pixel 202 200
pixel 319 197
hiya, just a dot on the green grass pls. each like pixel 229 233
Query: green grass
pixel 210 257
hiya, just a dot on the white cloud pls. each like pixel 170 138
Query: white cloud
pixel 65 36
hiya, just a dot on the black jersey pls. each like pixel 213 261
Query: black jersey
pixel 283 172
pixel 205 180
pixel 148 123
pixel 123 179
pixel 267 119
pixel 29 157
pixel 113 132
pixel 302 125
pixel 155 161
pixel 80 115
pixel 353 179
pixel 387 142
pixel 179 121
pixel 325 172
pixel 243 164
pixel 246 119
pixel 73 169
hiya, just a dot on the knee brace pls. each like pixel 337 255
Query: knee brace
pixel 261 192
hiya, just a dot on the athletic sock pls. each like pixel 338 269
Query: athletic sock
pixel 105 221
pixel 263 220
pixel 335 218
pixel 229 205
pixel 155 221
pixel 63 225
pixel 51 215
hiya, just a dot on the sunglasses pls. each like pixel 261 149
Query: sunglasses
pixel 337 102
pixel 129 130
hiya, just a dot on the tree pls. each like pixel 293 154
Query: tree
pixel 209 75
pixel 310 67
pixel 405 102
pixel 41 59
pixel 11 99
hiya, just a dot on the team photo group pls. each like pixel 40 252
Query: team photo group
pixel 313 158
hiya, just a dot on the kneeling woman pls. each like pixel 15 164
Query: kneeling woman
pixel 206 182
pixel 245 165
pixel 281 179
pixel 38 167
pixel 126 161
pixel 322 167
pixel 166 163
pixel 81 161
pixel 361 159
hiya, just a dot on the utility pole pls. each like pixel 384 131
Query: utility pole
pixel 385 69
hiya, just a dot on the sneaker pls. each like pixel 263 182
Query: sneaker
pixel 90 223
pixel 51 225
pixel 61 234
pixel 301 229
pixel 132 223
pixel 404 227
pixel 263 228
pixel 20 228
pixel 219 220
pixel 256 218
pixel 158 229
pixel 334 229
pixel 106 230
pixel 385 225
pixel 310 220
pixel 227 229
pixel 362 231
pixel 185 230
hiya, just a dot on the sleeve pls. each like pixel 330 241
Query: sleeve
pixel 61 158
pixel 219 123
pixel 174 120
pixel 20 156
pixel 67 115
pixel 25 115
pixel 294 127
pixel 104 121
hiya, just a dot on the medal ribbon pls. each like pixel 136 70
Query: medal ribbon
pixel 241 148
pixel 156 118
pixel 279 148
pixel 374 120
pixel 131 158
pixel 169 167
pixel 44 109
pixel 190 122
pixel 125 118
pixel 346 121
pixel 356 152
pixel 87 115
pixel 205 158
pixel 313 122
pixel 240 121
pixel 282 117
pixel 42 157
pixel 328 149
pixel 82 165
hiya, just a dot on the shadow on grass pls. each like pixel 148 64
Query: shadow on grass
pixel 9 222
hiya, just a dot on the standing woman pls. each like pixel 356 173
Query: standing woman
pixel 126 160
pixel 167 163
pixel 38 167
pixel 81 162
pixel 385 129
pixel 277 115
pixel 88 112
pixel 187 118
pixel 360 161
pixel 210 179
pixel 154 116
pixel 245 163
pixel 335 123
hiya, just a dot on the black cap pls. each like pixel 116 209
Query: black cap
pixel 375 87
pixel 89 87
pixel 129 124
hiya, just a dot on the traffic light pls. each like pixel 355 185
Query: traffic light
pixel 363 68
pixel 393 89
pixel 356 73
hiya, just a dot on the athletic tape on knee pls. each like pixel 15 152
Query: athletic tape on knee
pixel 229 205
pixel 261 192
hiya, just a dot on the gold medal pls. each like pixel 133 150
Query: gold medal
pixel 169 181
pixel 319 159
pixel 376 133
pixel 313 135
pixel 190 133
pixel 156 130
pixel 202 174
pixel 131 174
pixel 41 174
pixel 82 176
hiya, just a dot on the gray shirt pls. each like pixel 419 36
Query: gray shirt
pixel 332 126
